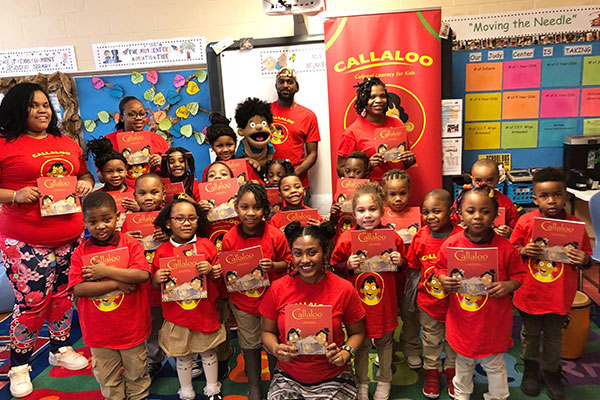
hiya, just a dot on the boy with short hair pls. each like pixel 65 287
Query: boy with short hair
pixel 544 303
pixel 109 295
pixel 356 165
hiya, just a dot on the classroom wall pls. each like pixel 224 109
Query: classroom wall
pixel 36 23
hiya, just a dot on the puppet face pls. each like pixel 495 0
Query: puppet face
pixel 257 132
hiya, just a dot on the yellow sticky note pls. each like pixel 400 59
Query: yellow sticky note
pixel 483 106
pixel 482 135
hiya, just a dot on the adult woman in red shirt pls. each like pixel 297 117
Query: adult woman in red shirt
pixel 371 106
pixel 304 376
pixel 37 250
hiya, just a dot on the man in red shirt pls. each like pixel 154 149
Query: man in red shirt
pixel 296 133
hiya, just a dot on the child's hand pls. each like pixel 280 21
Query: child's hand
pixel 407 157
pixel 531 250
pixel 83 187
pixel 127 288
pixel 160 236
pixel 154 160
pixel 376 160
pixel 135 234
pixel 285 352
pixel 397 259
pixel 217 272
pixel 577 257
pixel 336 356
pixel 335 209
pixel 130 204
pixel 353 262
pixel 255 164
pixel 205 205
pixel 188 197
pixel 450 284
pixel 312 221
pixel 266 264
pixel 499 289
pixel 161 276
pixel 204 267
pixel 503 230
pixel 94 272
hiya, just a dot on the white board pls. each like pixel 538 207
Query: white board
pixel 251 73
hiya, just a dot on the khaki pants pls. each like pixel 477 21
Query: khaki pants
pixel 385 350
pixel 497 377
pixel 434 334
pixel 533 326
pixel 410 342
pixel 133 384
pixel 249 328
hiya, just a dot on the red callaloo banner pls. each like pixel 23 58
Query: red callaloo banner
pixel 403 50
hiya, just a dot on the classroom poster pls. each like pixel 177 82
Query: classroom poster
pixel 39 60
pixel 364 46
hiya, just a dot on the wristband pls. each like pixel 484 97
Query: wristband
pixel 350 351
pixel 14 198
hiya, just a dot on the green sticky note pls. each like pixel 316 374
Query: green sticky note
pixel 136 78
pixel 519 134
pixel 103 116
pixel 201 75
pixel 89 125
pixel 149 94
pixel 200 137
pixel 193 107
pixel 165 124
pixel 482 135
pixel 591 126
pixel 186 130
pixel 591 70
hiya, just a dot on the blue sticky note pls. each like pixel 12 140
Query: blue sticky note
pixel 553 131
pixel 561 71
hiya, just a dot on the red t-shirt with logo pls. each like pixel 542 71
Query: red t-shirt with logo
pixel 359 137
pixel 422 255
pixel 512 215
pixel 276 219
pixel 545 293
pixel 345 309
pixel 294 127
pixel 103 321
pixel 377 290
pixel 480 325
pixel 199 315
pixel 274 247
pixel 22 162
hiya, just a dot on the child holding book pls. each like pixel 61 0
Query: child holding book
pixel 277 169
pixel 191 327
pixel 431 299
pixel 544 303
pixel 252 206
pixel 356 166
pixel 179 166
pixel 378 291
pixel 478 326
pixel 107 296
pixel 292 194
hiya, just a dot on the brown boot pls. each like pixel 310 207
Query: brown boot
pixel 253 371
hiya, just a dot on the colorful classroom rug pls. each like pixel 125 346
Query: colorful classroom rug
pixel 53 383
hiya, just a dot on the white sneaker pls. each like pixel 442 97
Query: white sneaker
pixel 363 391
pixel 68 358
pixel 196 369
pixel 414 362
pixel 186 393
pixel 20 382
pixel 382 392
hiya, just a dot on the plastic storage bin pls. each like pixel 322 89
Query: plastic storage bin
pixel 520 193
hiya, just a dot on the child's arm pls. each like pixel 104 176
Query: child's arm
pixel 99 270
pixel 578 257
pixel 278 266
pixel 503 230
pixel 130 204
pixel 160 236
pixel 160 277
pixel 100 288
pixel 499 289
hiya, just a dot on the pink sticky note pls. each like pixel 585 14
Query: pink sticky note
pixel 179 80
pixel 152 77
pixel 590 102
pixel 522 74
pixel 97 83
pixel 559 103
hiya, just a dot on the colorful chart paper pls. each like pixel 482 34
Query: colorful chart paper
pixel 552 131
pixel 483 106
pixel 521 104
pixel 522 74
pixel 590 102
pixel 559 103
pixel 482 135
pixel 519 134
pixel 561 72
pixel 591 70
pixel 591 126
pixel 483 76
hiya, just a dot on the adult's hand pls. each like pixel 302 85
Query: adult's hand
pixel 28 194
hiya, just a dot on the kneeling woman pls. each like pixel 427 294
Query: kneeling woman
pixel 304 376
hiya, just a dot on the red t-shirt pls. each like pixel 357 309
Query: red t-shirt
pixel 103 321
pixel 198 315
pixel 274 246
pixel 276 221
pixel 381 304
pixel 422 255
pixel 359 137
pixel 478 326
pixel 345 308
pixel 545 293
pixel 22 162
pixel 512 215
pixel 158 145
pixel 294 127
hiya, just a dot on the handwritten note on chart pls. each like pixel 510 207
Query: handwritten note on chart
pixel 591 70
pixel 522 74
pixel 482 135
pixel 519 134
pixel 521 105
pixel 591 126
pixel 561 72
pixel 553 131
pixel 559 103
pixel 483 76
pixel 483 106
pixel 590 102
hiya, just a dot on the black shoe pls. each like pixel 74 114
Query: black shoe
pixel 215 397
pixel 530 384
pixel 154 369
pixel 554 385
pixel 224 369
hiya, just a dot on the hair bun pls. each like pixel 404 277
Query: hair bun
pixel 328 229
pixel 292 229
pixel 218 119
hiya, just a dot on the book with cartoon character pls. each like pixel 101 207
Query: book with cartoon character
pixel 476 268
pixel 274 199
pixel 501 218
pixel 58 196
pixel 391 142
pixel 309 328
pixel 184 283
pixel 221 194
pixel 556 235
pixel 143 222
pixel 241 270
pixel 374 249
pixel 115 258
pixel 299 215
pixel 119 197
pixel 172 190
pixel 406 224
pixel 345 191
pixel 135 146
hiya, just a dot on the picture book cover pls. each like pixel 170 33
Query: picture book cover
pixel 406 224
pixel 344 192
pixel 476 268
pixel 556 235
pixel 241 270
pixel 501 218
pixel 172 189
pixel 135 146
pixel 221 194
pixel 309 328
pixel 374 249
pixel 142 222
pixel 115 258
pixel 58 196
pixel 119 197
pixel 274 199
pixel 242 171
pixel 218 229
pixel 299 215
pixel 391 142
pixel 184 283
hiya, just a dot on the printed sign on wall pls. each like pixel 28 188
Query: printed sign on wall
pixel 45 60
